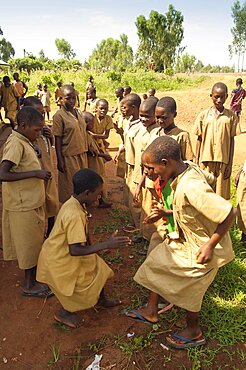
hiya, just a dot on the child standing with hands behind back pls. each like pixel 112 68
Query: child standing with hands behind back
pixel 215 129
pixel 68 262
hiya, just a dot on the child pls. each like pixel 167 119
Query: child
pixel 127 90
pixel 90 103
pixel 45 143
pixel 68 262
pixel 181 270
pixel 145 96
pixel 146 134
pixel 71 142
pixel 130 109
pixel 240 183
pixel 215 129
pixel 95 155
pixel 58 94
pixel 89 85
pixel 23 199
pixel 152 92
pixel 119 93
pixel 77 103
pixel 237 96
pixel 38 92
pixel 45 100
pixel 21 87
pixel 9 100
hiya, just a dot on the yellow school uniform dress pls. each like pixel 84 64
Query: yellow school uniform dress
pixel 94 162
pixel 23 205
pixel 216 133
pixel 100 127
pixel 121 163
pixel 144 137
pixel 171 270
pixel 130 132
pixel 9 101
pixel 241 200
pixel 77 281
pixel 51 190
pixel 45 100
pixel 72 131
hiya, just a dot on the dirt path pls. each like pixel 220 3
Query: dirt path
pixel 29 340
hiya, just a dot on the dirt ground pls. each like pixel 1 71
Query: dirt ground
pixel 29 340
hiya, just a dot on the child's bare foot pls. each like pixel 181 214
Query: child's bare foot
pixel 37 290
pixel 143 314
pixel 107 303
pixel 68 318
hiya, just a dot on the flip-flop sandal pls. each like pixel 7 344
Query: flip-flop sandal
pixel 138 318
pixel 164 308
pixel 46 293
pixel 188 343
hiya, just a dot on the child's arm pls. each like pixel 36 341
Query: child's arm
pixel 101 136
pixel 120 150
pixel 112 243
pixel 228 168
pixel 198 148
pixel 60 160
pixel 205 253
pixel 48 134
pixel 138 190
pixel 6 175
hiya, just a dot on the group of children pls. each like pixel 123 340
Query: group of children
pixel 174 197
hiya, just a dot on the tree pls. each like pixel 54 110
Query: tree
pixel 160 37
pixel 112 54
pixel 6 50
pixel 64 49
pixel 238 32
pixel 186 63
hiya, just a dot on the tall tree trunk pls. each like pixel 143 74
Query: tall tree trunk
pixel 238 62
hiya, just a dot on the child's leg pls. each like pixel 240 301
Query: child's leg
pixel 150 312
pixel 105 302
pixel 48 115
pixel 32 288
pixel 51 221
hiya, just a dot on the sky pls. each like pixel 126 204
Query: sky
pixel 33 25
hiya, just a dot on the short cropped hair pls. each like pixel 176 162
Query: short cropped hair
pixel 164 147
pixel 101 101
pixel 168 104
pixel 86 179
pixel 239 81
pixel 68 88
pixel 127 87
pixel 120 90
pixel 220 85
pixel 6 79
pixel 149 104
pixel 133 99
pixel 88 116
pixel 32 101
pixel 29 115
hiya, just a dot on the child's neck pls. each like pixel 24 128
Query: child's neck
pixel 169 128
pixel 135 116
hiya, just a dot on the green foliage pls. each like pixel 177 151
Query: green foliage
pixel 185 63
pixel 159 37
pixel 6 50
pixel 238 32
pixel 116 55
pixel 64 49
pixel 28 64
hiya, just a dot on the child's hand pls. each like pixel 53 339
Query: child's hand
pixel 205 254
pixel 118 241
pixel 47 132
pixel 116 158
pixel 136 198
pixel 107 157
pixel 155 215
pixel 43 174
pixel 227 172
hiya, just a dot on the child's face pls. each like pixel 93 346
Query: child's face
pixel 91 94
pixel 126 91
pixel 32 132
pixel 164 170
pixel 102 109
pixel 45 87
pixel 164 117
pixel 89 124
pixel 146 117
pixel 219 97
pixel 89 197
pixel 119 94
pixel 127 109
pixel 69 99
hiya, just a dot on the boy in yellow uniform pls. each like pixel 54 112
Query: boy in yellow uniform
pixel 58 94
pixel 240 183
pixel 68 262
pixel 90 103
pixel 215 129
pixel 130 109
pixel 23 199
pixel 95 155
pixel 45 100
pixel 45 143
pixel 146 134
pixel 71 142
pixel 9 100
pixel 181 268
pixel 21 87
